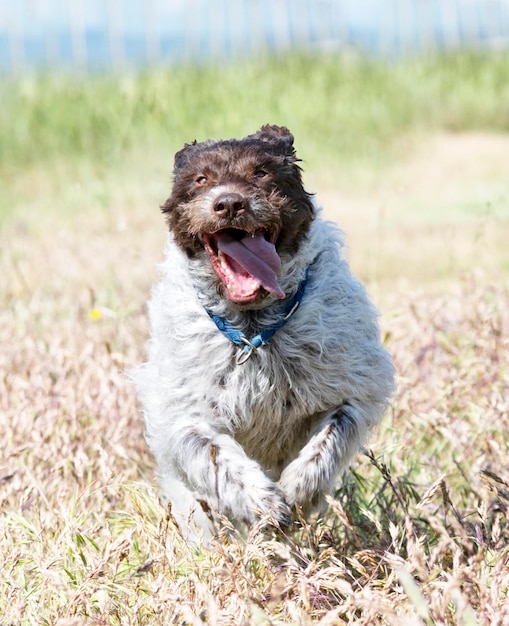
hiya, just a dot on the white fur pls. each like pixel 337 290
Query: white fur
pixel 252 440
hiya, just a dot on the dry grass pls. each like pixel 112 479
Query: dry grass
pixel 418 534
pixel 431 217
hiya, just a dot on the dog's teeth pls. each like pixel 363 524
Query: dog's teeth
pixel 222 259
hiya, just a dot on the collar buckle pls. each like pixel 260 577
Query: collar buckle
pixel 245 354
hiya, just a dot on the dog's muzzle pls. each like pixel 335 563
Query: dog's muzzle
pixel 246 263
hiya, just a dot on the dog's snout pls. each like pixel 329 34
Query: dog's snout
pixel 230 204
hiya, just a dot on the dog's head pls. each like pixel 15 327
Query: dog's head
pixel 240 205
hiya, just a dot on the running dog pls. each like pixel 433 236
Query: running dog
pixel 265 368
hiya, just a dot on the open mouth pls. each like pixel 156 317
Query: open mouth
pixel 246 263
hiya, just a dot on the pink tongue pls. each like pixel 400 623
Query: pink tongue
pixel 256 255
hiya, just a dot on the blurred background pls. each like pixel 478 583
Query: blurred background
pixel 400 110
pixel 115 34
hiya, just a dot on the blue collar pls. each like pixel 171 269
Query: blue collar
pixel 250 346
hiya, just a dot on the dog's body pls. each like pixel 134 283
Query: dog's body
pixel 251 431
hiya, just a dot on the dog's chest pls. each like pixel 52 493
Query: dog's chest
pixel 269 406
pixel 276 396
pixel 282 386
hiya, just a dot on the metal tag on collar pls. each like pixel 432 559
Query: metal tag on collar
pixel 244 354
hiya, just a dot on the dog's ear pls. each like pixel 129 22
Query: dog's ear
pixel 278 135
pixel 182 156
pixel 181 159
pixel 271 132
pixel 189 151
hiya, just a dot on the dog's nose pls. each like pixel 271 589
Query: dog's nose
pixel 229 204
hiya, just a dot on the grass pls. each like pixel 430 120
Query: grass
pixel 341 109
pixel 418 532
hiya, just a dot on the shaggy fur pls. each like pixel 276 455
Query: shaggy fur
pixel 252 440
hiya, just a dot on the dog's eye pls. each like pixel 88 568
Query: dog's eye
pixel 259 173
pixel 201 180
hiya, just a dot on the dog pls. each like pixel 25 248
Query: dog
pixel 265 369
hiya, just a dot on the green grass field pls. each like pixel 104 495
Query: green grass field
pixel 350 110
pixel 411 160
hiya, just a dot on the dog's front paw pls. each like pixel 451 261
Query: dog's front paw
pixel 279 512
pixel 268 506
pixel 302 483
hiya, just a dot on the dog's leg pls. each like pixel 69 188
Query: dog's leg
pixel 327 453
pixel 214 466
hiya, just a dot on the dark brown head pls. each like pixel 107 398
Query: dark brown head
pixel 241 201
